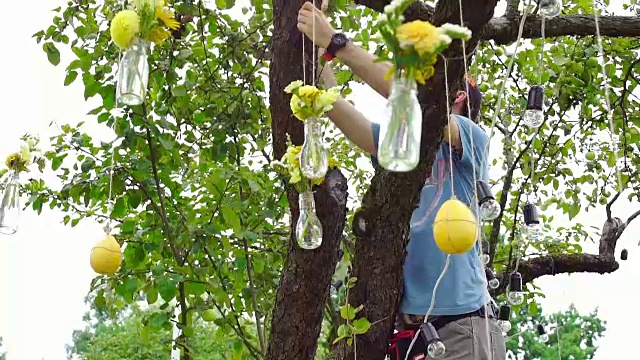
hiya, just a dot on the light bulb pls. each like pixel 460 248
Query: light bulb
pixel 489 210
pixel 534 232
pixel 544 338
pixel 505 325
pixel 515 297
pixel 485 258
pixel 436 349
pixel 533 115
pixel 494 283
pixel 550 8
pixel 533 118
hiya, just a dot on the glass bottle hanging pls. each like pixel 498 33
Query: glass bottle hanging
pixel 550 8
pixel 308 227
pixel 10 205
pixel 314 161
pixel 399 142
pixel 133 74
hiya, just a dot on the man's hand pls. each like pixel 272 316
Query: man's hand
pixel 310 20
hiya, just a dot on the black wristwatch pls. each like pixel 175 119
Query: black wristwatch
pixel 338 41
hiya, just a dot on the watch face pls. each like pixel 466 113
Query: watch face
pixel 340 39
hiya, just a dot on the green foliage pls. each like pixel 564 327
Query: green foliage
pixel 203 217
pixel 3 354
pixel 351 326
pixel 578 335
pixel 126 338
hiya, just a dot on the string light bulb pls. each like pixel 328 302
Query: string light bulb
pixel 550 8
pixel 532 222
pixel 435 346
pixel 533 115
pixel 489 207
pixel 515 295
pixel 485 252
pixel 492 281
pixel 544 337
pixel 624 254
pixel 504 316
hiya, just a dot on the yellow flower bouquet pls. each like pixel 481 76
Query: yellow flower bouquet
pixel 308 101
pixel 414 45
pixel 16 163
pixel 150 20
pixel 309 104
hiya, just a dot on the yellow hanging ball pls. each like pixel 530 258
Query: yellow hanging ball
pixel 106 256
pixel 455 228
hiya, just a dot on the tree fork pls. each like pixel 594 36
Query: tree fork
pixel 306 277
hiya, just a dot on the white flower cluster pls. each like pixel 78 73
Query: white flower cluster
pixel 394 5
pixel 456 31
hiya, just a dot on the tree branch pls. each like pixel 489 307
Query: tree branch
pixel 505 31
pixel 561 264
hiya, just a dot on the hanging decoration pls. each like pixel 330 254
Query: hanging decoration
pixel 485 252
pixel 106 256
pixel 435 346
pixel 133 30
pixel 532 222
pixel 624 254
pixel 455 229
pixel 492 280
pixel 16 164
pixel 542 333
pixel 515 296
pixel 550 8
pixel 414 47
pixel 489 207
pixel 309 104
pixel 533 115
pixel 308 228
pixel 504 318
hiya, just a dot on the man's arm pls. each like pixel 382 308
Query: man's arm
pixel 313 23
pixel 353 124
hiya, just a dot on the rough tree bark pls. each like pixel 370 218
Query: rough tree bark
pixel 306 277
pixel 387 206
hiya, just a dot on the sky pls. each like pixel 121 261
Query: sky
pixel 44 268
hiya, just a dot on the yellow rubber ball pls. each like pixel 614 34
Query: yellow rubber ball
pixel 106 256
pixel 455 228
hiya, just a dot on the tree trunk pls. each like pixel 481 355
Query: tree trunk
pixel 388 204
pixel 306 277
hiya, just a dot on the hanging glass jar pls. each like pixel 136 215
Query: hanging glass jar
pixel 10 203
pixel 308 227
pixel 399 142
pixel 133 74
pixel 314 161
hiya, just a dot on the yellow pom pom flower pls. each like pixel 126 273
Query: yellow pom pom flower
pixel 424 37
pixel 125 26
pixel 455 228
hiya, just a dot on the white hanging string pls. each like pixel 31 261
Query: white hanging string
pixel 494 120
pixel 612 126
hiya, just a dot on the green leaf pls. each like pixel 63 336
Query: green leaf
pixel 70 78
pixel 178 91
pixel 361 326
pixel 231 219
pixel 533 308
pixel 167 289
pixel 52 53
pixel 347 312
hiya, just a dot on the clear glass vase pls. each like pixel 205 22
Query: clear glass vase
pixel 399 142
pixel 133 74
pixel 10 203
pixel 308 227
pixel 314 161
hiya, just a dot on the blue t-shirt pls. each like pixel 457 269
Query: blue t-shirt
pixel 463 288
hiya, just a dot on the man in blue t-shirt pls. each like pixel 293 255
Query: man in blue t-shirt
pixel 463 314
